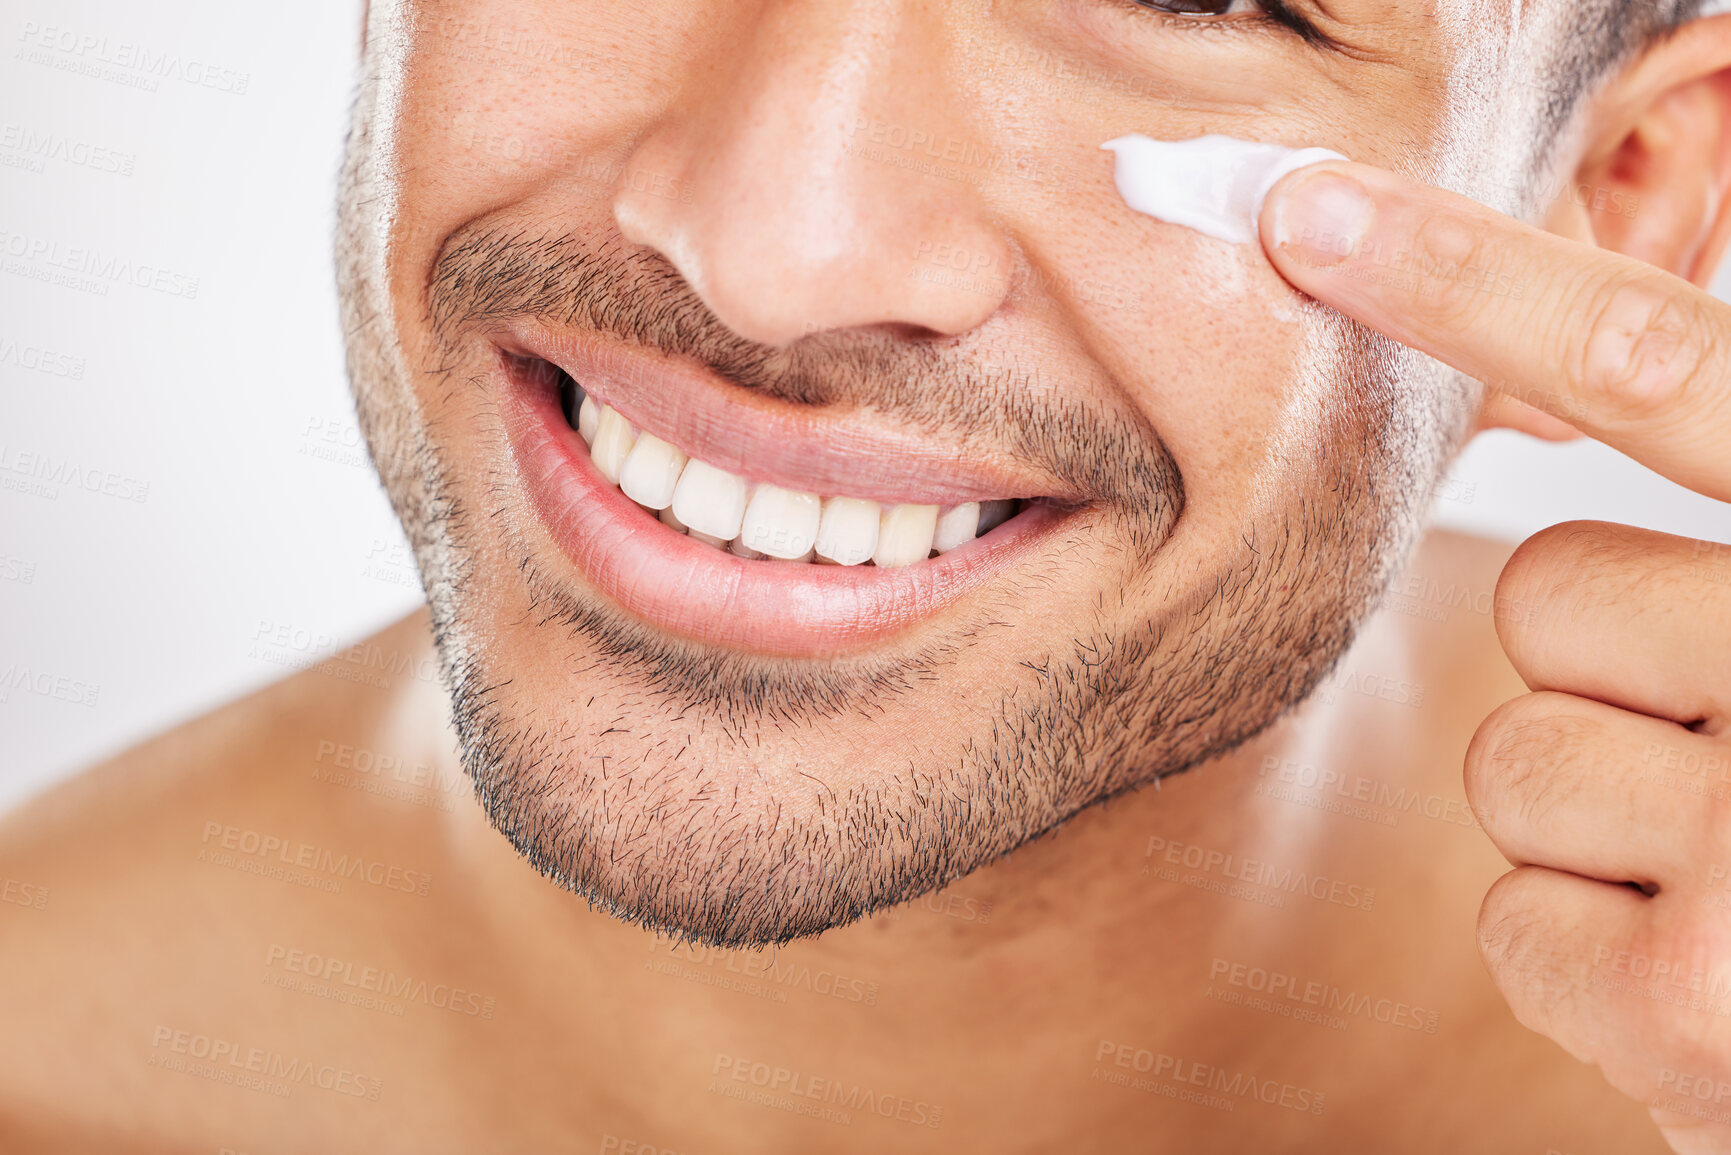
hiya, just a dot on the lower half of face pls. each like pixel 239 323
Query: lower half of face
pixel 748 638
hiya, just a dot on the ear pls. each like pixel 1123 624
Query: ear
pixel 1654 179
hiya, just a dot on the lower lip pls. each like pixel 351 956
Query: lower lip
pixel 777 607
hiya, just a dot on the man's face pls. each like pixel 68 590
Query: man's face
pixel 870 251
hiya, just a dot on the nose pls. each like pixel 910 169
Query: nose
pixel 800 181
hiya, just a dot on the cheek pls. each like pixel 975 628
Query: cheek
pixel 1212 362
pixel 1202 339
pixel 503 103
pixel 504 109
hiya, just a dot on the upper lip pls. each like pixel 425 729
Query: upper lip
pixel 764 439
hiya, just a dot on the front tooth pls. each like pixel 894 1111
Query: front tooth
pixel 709 500
pixel 994 514
pixel 905 534
pixel 848 531
pixel 588 420
pixel 781 522
pixel 956 526
pixel 670 521
pixel 650 472
pixel 613 440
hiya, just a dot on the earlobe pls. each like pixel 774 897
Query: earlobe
pixel 1655 182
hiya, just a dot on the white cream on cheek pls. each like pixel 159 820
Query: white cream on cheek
pixel 1216 185
pixel 1213 184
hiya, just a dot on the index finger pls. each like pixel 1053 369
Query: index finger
pixel 1637 356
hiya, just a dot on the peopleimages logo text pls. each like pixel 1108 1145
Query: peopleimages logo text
pixel 89 49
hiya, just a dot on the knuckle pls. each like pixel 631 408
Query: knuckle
pixel 1503 926
pixel 1516 940
pixel 1538 561
pixel 1486 768
pixel 1507 924
pixel 1520 763
pixel 1531 961
pixel 1646 350
pixel 1551 569
pixel 1453 256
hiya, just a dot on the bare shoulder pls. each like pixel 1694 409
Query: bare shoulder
pixel 1448 556
pixel 1446 599
pixel 142 893
pixel 234 753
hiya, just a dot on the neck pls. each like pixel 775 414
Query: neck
pixel 1078 884
pixel 1134 892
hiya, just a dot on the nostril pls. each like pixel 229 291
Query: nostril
pixel 907 331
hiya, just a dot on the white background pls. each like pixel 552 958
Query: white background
pixel 226 407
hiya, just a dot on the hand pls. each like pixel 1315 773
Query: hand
pixel 1608 786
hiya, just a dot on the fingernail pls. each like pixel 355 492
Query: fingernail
pixel 1321 218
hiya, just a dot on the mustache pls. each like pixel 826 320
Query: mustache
pixel 945 386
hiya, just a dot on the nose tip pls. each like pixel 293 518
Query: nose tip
pixel 786 219
pixel 774 273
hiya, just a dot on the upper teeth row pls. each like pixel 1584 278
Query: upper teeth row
pixel 764 520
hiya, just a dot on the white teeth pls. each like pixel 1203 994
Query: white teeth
pixel 994 514
pixel 848 532
pixel 613 440
pixel 588 420
pixel 905 534
pixel 781 522
pixel 956 526
pixel 650 472
pixel 709 500
pixel 710 504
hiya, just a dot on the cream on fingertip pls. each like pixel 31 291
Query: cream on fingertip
pixel 1213 184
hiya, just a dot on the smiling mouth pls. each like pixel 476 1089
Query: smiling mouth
pixel 744 521
pixel 756 520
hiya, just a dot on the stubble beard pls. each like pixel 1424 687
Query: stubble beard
pixel 731 853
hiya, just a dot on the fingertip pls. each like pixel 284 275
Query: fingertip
pixel 1318 215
